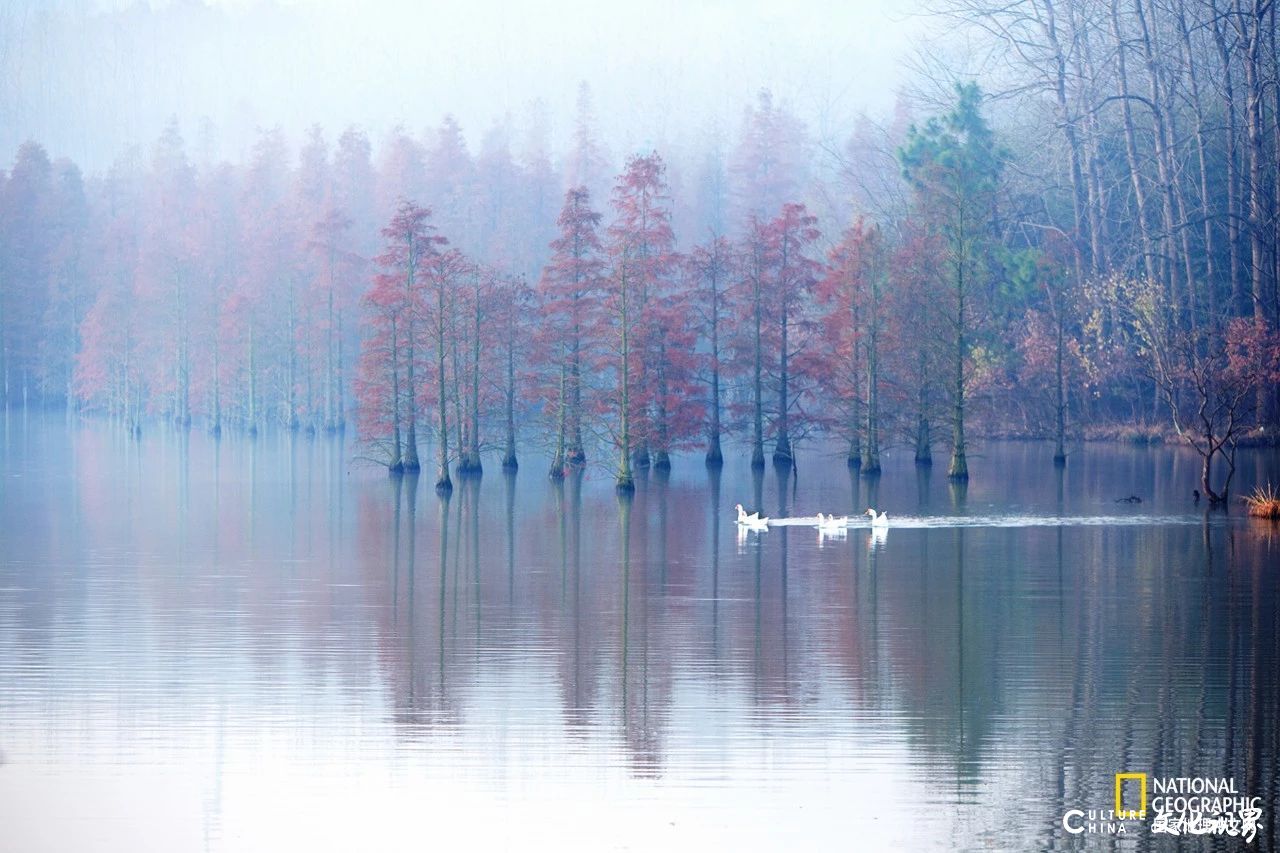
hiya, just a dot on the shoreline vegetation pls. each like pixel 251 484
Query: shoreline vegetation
pixel 1139 435
pixel 1087 253
pixel 1263 502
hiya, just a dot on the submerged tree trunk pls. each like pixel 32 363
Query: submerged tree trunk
pixel 871 449
pixel 576 453
pixel 959 467
pixel 443 482
pixel 396 464
pixel 411 462
pixel 757 386
pixel 782 450
pixel 509 461
pixel 662 435
pixel 253 378
pixel 215 423
pixel 1060 404
pixel 714 457
pixel 330 380
pixel 471 458
pixel 924 432
pixel 853 459
pixel 624 481
pixel 558 461
pixel 291 398
pixel 340 403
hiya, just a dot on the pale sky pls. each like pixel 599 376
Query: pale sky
pixel 89 78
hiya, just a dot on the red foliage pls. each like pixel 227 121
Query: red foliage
pixel 1253 351
pixel 644 262
pixel 856 270
pixel 570 295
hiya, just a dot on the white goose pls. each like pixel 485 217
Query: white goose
pixel 881 520
pixel 831 524
pixel 743 518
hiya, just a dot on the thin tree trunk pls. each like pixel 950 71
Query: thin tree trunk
pixel 443 482
pixel 857 419
pixel 782 450
pixel 871 450
pixel 924 437
pixel 558 461
pixel 577 454
pixel 757 433
pixel 509 461
pixel 1060 406
pixel 715 458
pixel 1206 201
pixel 473 448
pixel 1172 208
pixel 329 378
pixel 959 468
pixel 338 392
pixel 1085 70
pixel 625 482
pixel 253 378
pixel 1269 408
pixel 1234 212
pixel 216 426
pixel 411 461
pixel 291 402
pixel 1131 145
pixel 397 460
pixel 662 455
pixel 1068 121
pixel 1251 23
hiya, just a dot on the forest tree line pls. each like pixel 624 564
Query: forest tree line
pixel 1084 245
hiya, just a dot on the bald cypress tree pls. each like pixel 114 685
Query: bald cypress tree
pixel 953 165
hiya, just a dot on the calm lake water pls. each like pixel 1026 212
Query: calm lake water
pixel 265 645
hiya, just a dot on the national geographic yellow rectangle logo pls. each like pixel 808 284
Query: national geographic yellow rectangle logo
pixel 1141 778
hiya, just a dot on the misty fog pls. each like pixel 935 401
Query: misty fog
pixel 89 79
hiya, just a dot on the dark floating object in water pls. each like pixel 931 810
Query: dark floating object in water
pixel 1132 499
pixel 1196 493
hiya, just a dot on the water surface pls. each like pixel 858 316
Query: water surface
pixel 264 645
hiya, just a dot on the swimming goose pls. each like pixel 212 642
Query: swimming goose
pixel 881 520
pixel 831 524
pixel 744 518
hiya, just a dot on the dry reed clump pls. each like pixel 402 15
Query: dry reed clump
pixel 1264 502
